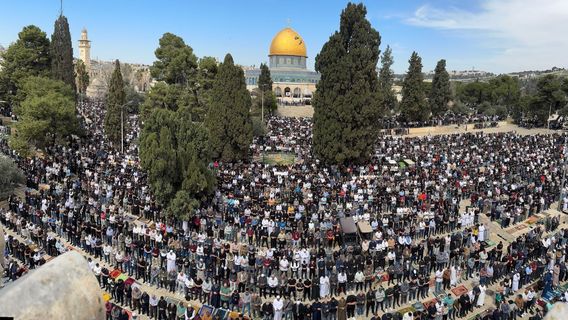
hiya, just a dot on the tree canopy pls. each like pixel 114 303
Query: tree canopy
pixel 10 178
pixel 46 115
pixel 551 96
pixel 502 90
pixel 174 143
pixel 346 102
pixel 175 152
pixel 186 82
pixel 413 105
pixel 115 100
pixel 440 93
pixel 386 81
pixel 228 118
pixel 176 62
pixel 82 77
pixel 264 79
pixel 62 53
pixel 28 56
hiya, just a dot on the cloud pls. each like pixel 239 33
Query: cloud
pixel 521 34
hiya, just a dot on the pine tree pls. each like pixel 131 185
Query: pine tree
pixel 346 102
pixel 440 94
pixel 176 62
pixel 386 81
pixel 28 56
pixel 228 119
pixel 413 105
pixel 46 114
pixel 62 53
pixel 115 100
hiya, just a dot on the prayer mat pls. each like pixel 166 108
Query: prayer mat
pixel 407 309
pixel 428 303
pixel 129 281
pixel 418 306
pixel 173 300
pixel 532 220
pixel 206 310
pixel 106 297
pixel 520 227
pixel 490 243
pixel 122 277
pixel 129 218
pixel 115 273
pixel 458 291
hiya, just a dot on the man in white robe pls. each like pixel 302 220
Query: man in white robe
pixel 324 286
pixel 278 304
pixel 171 261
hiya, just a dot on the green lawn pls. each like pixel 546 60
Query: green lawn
pixel 279 158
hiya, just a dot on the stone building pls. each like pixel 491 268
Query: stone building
pixel 135 74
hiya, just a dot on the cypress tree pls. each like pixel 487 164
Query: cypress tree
pixel 441 93
pixel 264 90
pixel 346 102
pixel 115 100
pixel 82 77
pixel 228 119
pixel 386 80
pixel 62 53
pixel 413 105
pixel 264 79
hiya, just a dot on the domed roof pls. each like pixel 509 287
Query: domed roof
pixel 288 43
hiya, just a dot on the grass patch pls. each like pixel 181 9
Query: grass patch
pixel 279 158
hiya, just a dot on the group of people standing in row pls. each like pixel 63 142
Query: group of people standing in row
pixel 269 243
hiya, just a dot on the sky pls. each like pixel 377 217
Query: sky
pixel 498 36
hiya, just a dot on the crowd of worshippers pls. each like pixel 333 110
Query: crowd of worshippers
pixel 274 229
pixel 536 258
pixel 441 120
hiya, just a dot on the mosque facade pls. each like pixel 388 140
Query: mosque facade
pixel 292 81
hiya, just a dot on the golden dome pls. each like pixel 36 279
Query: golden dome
pixel 288 43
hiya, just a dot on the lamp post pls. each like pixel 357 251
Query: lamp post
pixel 262 105
pixel 262 117
pixel 122 125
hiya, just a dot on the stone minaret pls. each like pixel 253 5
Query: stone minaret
pixel 85 49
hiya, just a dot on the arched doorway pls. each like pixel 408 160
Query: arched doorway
pixel 278 92
pixel 287 92
pixel 297 93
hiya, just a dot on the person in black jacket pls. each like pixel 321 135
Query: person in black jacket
pixel 316 310
pixel 119 292
pixel 333 308
pixel 298 310
pixel 162 307
pixel 370 302
pixel 145 303
pixel 351 303
pixel 267 310
pixel 128 295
